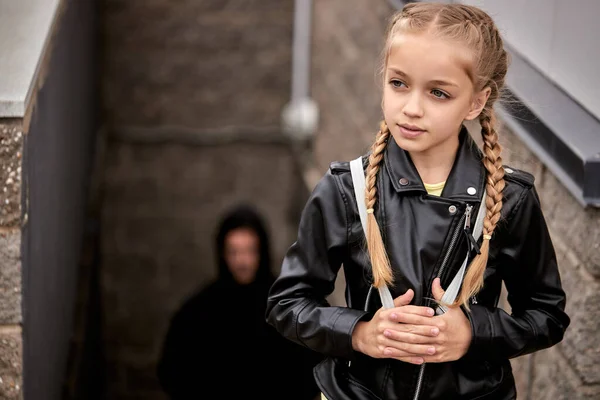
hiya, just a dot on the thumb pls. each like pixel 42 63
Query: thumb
pixel 436 289
pixel 405 299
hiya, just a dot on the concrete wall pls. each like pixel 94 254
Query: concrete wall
pixel 192 95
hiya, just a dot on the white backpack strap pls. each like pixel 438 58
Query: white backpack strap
pixel 358 179
pixel 454 287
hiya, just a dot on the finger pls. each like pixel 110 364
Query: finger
pixel 405 299
pixel 401 349
pixel 401 355
pixel 417 310
pixel 407 318
pixel 437 358
pixel 436 289
pixel 408 337
pixel 411 360
pixel 424 330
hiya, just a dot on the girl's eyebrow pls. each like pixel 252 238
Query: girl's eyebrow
pixel 438 82
pixel 434 82
pixel 398 72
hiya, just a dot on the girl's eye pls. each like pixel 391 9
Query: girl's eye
pixel 396 83
pixel 439 94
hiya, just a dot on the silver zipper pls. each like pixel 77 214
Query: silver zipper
pixel 466 225
pixel 419 382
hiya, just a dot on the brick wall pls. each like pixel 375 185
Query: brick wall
pixel 346 49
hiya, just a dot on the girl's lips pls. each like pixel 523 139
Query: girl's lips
pixel 410 132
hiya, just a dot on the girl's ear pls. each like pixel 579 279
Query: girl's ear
pixel 479 102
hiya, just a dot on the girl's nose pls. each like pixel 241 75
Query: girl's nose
pixel 413 107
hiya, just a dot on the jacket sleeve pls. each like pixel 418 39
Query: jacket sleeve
pixel 527 262
pixel 297 305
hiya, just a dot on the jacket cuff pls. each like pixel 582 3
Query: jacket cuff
pixel 342 329
pixel 481 332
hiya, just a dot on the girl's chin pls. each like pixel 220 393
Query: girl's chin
pixel 416 144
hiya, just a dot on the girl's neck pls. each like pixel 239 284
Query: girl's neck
pixel 434 166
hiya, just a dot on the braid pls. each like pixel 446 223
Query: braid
pixel 473 281
pixel 374 160
pixel 495 172
pixel 380 263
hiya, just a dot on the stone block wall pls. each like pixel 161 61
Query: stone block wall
pixel 11 339
pixel 571 369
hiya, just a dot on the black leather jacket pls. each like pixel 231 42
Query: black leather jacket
pixel 420 231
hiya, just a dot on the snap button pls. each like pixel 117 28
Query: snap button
pixel 452 209
pixel 471 191
pixel 508 170
pixel 403 181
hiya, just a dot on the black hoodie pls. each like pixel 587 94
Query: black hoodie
pixel 219 344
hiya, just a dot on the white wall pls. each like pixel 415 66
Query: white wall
pixel 559 37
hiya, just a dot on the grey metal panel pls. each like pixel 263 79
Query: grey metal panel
pixel 558 129
pixel 57 152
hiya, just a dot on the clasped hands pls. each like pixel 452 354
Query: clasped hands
pixel 414 334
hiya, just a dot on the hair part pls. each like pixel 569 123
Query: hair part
pixel 474 28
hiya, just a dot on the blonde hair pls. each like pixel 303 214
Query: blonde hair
pixel 473 27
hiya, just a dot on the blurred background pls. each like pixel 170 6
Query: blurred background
pixel 127 127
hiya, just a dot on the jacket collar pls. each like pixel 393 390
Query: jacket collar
pixel 466 179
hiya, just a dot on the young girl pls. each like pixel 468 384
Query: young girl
pixel 444 64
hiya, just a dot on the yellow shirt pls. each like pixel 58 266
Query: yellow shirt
pixel 435 189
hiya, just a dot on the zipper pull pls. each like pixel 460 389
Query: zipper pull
pixel 467 230
pixel 468 218
pixel 473 300
pixel 474 245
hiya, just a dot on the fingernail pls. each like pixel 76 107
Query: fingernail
pixel 435 331
pixel 430 311
pixel 419 360
pixel 394 316
pixel 387 352
pixel 431 350
pixel 386 333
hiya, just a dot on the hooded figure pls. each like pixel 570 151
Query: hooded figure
pixel 219 344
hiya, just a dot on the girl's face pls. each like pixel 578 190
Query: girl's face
pixel 428 94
